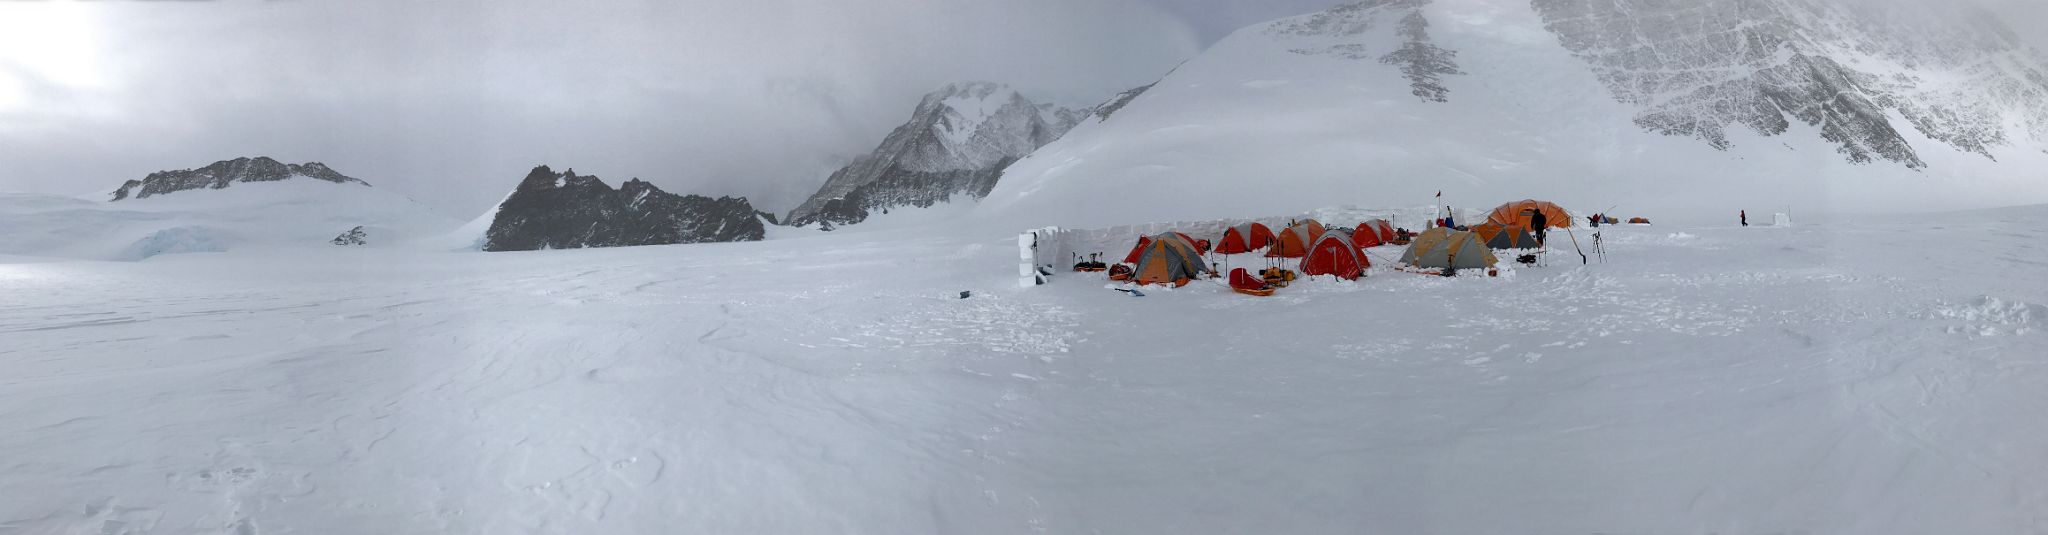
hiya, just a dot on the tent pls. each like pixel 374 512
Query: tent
pixel 1386 229
pixel 1294 242
pixel 1638 221
pixel 1169 258
pixel 1201 247
pixel 1520 212
pixel 1334 254
pixel 1143 242
pixel 1499 236
pixel 1441 248
pixel 1365 236
pixel 1244 238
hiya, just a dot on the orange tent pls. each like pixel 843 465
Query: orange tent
pixel 1244 238
pixel 1366 236
pixel 1294 242
pixel 1169 258
pixel 1520 212
pixel 1334 254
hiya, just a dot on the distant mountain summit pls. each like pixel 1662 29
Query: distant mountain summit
pixel 551 210
pixel 223 173
pixel 957 141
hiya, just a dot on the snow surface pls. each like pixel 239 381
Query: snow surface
pixel 1254 126
pixel 260 215
pixel 1849 375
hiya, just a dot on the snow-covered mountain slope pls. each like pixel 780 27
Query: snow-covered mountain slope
pixel 956 143
pixel 1843 376
pixel 263 215
pixel 224 173
pixel 551 210
pixel 1693 109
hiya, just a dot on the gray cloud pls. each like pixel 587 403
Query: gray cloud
pixel 453 101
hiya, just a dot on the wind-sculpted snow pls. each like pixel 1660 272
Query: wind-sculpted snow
pixel 957 142
pixel 1698 67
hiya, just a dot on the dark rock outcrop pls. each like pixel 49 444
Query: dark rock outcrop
pixel 354 236
pixel 563 210
pixel 223 173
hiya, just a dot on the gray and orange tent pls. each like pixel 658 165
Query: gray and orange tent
pixel 1168 258
pixel 1244 238
pixel 1294 242
pixel 1335 254
pixel 1498 236
pixel 1521 213
pixel 1441 248
pixel 1366 236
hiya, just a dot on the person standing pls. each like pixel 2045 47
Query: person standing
pixel 1745 218
pixel 1541 225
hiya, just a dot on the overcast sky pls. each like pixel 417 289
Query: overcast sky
pixel 453 101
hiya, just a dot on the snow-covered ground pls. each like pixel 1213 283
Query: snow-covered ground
pixel 1867 375
pixel 287 214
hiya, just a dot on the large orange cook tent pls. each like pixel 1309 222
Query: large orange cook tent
pixel 1521 212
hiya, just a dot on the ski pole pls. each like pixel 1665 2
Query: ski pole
pixel 1575 246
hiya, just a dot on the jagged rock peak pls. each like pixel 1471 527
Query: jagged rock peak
pixel 550 210
pixel 223 173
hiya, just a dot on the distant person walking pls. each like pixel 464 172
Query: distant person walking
pixel 1541 225
pixel 1745 218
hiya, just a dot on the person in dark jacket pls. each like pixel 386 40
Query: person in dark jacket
pixel 1541 225
pixel 1745 218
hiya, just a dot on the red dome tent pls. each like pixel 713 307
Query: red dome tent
pixel 1386 230
pixel 1140 249
pixel 1366 236
pixel 1294 242
pixel 1244 238
pixel 1334 254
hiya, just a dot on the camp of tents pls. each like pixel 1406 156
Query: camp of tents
pixel 1308 248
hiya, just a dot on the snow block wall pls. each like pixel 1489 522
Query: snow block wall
pixel 1030 256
